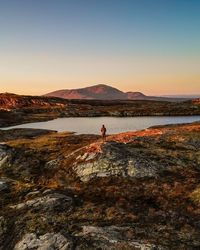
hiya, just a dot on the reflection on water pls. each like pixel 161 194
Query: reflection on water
pixel 114 125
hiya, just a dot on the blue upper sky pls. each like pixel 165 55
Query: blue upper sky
pixel 147 45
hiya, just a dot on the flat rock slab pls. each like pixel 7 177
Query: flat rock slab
pixel 48 201
pixel 110 238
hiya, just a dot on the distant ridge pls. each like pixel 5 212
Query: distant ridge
pixel 105 92
pixel 182 96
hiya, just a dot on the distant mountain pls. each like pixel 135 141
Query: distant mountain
pixel 105 92
pixel 101 91
pixel 135 95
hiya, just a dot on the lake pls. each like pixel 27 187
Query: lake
pixel 114 125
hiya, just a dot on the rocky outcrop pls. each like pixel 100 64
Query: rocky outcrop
pixel 6 153
pixel 3 153
pixel 49 241
pixel 46 202
pixel 5 183
pixel 116 160
pixel 111 238
pixel 123 158
pixel 13 101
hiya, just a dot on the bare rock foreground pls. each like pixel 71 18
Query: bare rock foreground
pixel 138 190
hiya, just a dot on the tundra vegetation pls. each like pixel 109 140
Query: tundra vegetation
pixel 137 190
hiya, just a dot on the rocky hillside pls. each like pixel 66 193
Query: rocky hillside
pixel 18 109
pixel 137 190
pixel 10 101
pixel 105 92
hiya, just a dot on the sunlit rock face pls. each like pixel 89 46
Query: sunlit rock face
pixel 116 160
pixel 196 101
pixel 11 101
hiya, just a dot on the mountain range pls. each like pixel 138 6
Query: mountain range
pixel 105 92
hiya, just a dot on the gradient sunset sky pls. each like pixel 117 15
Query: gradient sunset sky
pixel 152 46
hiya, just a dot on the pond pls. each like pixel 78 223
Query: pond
pixel 114 125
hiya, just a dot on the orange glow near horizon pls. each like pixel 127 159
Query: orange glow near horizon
pixel 173 85
pixel 40 74
pixel 148 46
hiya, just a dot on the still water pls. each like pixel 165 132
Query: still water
pixel 114 125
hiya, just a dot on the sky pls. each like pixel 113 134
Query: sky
pixel 152 46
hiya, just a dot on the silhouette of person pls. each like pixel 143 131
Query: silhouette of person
pixel 103 132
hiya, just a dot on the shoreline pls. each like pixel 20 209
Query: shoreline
pixel 16 109
pixel 13 123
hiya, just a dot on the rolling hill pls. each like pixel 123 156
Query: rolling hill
pixel 105 92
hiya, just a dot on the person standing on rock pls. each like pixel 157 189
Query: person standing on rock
pixel 103 132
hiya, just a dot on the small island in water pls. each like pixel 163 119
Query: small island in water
pixel 136 190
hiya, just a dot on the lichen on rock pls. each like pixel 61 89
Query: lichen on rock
pixel 49 241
